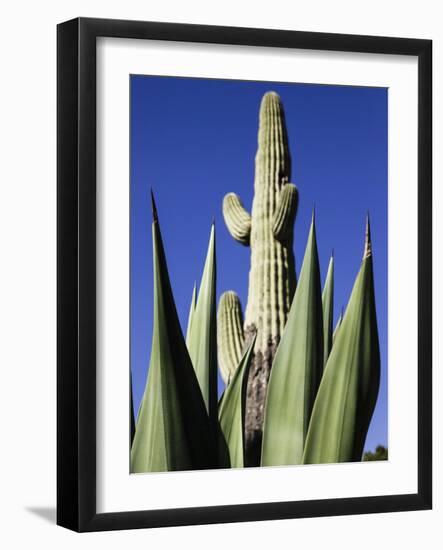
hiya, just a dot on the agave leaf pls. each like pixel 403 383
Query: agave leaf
pixel 349 387
pixel 328 310
pixel 220 399
pixel 232 409
pixel 191 313
pixel 202 341
pixel 131 411
pixel 337 326
pixel 173 430
pixel 297 368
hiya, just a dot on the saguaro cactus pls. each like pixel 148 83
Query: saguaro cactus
pixel 269 233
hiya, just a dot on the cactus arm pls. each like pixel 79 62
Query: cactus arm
pixel 284 215
pixel 230 335
pixel 237 219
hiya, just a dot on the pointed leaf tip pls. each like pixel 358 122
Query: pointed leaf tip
pixel 153 207
pixel 368 244
pixel 202 341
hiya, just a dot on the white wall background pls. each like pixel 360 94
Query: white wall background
pixel 27 271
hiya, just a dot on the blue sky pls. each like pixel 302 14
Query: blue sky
pixel 194 140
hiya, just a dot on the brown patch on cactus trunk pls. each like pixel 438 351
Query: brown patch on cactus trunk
pixel 257 385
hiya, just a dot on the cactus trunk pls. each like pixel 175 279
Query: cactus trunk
pixel 272 280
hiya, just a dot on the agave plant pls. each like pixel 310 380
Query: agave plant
pixel 349 387
pixel 314 416
pixel 174 429
pixel 297 390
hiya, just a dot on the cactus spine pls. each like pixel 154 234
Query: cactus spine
pixel 272 279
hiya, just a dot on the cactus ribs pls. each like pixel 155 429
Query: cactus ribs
pixel 268 231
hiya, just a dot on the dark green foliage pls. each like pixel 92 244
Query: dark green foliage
pixel 381 453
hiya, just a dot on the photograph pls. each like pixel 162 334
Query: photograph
pixel 244 274
pixel 258 274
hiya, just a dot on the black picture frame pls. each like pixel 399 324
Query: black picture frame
pixel 76 280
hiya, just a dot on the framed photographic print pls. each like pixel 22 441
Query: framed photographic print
pixel 244 274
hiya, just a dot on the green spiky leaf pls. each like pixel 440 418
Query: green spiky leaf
pixel 173 431
pixel 349 387
pixel 232 410
pixel 337 326
pixel 191 313
pixel 297 368
pixel 328 310
pixel 202 342
pixel 131 409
